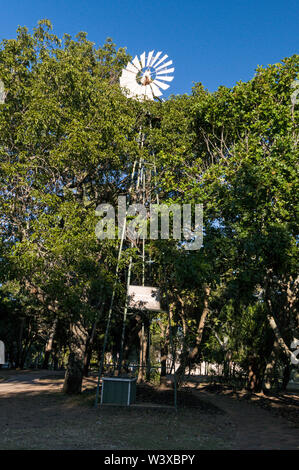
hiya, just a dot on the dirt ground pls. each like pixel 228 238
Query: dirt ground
pixel 34 414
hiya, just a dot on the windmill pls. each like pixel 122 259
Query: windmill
pixel 142 79
pixel 147 75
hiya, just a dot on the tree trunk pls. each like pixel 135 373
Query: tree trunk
pixel 87 359
pixel 55 361
pixel 88 350
pixel 286 375
pixel 191 356
pixel 227 364
pixel 142 354
pixel 20 344
pixel 74 373
pixel 49 345
pixel 269 371
pixel 255 375
pixel 148 355
pixel 163 374
pixel 272 322
pixel 164 343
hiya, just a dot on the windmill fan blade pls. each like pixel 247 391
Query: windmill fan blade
pixel 161 85
pixel 128 80
pixel 142 59
pixel 155 89
pixel 130 83
pixel 155 58
pixel 137 63
pixel 162 77
pixel 148 92
pixel 149 58
pixel 128 76
pixel 161 60
pixel 163 66
pixel 161 72
pixel 129 88
pixel 125 77
pixel 131 68
pixel 136 89
pixel 140 89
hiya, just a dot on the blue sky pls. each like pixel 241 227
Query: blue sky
pixel 217 43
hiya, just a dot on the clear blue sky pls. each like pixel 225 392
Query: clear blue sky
pixel 215 42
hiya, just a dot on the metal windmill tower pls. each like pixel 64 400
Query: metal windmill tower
pixel 142 79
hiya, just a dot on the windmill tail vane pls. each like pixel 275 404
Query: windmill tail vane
pixel 147 75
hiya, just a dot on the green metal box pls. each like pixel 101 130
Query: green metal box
pixel 118 390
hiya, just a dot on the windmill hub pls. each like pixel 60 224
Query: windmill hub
pixel 145 76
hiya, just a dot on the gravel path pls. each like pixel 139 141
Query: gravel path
pixel 256 428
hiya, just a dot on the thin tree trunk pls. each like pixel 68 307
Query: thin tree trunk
pixel 49 345
pixel 273 324
pixel 255 375
pixel 148 355
pixel 278 336
pixel 74 373
pixel 227 364
pixel 164 343
pixel 269 371
pixel 286 375
pixel 88 350
pixel 55 361
pixel 142 354
pixel 20 344
pixel 191 356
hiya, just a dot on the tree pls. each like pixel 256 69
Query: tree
pixel 235 150
pixel 67 136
